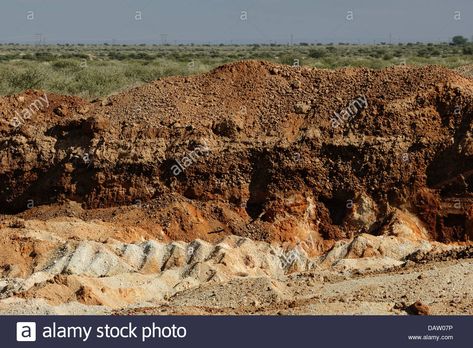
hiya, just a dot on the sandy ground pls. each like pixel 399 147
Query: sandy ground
pixel 70 270
pixel 445 287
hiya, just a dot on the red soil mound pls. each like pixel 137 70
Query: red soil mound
pixel 255 149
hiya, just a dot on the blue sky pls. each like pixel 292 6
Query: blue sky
pixel 219 21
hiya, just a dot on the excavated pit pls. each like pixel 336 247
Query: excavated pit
pixel 280 162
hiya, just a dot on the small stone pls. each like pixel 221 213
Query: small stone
pixel 409 263
pixel 418 308
pixel 302 108
pixel 83 109
pixel 59 111
pixel 400 305
pixel 68 167
pixel 105 102
pixel 296 84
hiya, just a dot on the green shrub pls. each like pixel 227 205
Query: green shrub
pixel 468 50
pixel 30 78
pixel 65 64
pixel 318 53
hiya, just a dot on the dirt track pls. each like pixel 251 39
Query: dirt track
pixel 355 167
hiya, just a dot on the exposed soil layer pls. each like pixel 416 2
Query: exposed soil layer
pixel 252 149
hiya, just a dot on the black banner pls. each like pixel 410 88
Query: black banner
pixel 224 331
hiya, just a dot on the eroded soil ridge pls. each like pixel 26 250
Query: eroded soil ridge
pixel 253 149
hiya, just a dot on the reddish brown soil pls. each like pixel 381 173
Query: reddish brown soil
pixel 276 169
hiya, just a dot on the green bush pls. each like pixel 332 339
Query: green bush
pixel 32 77
pixel 318 53
pixel 65 64
pixel 468 50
